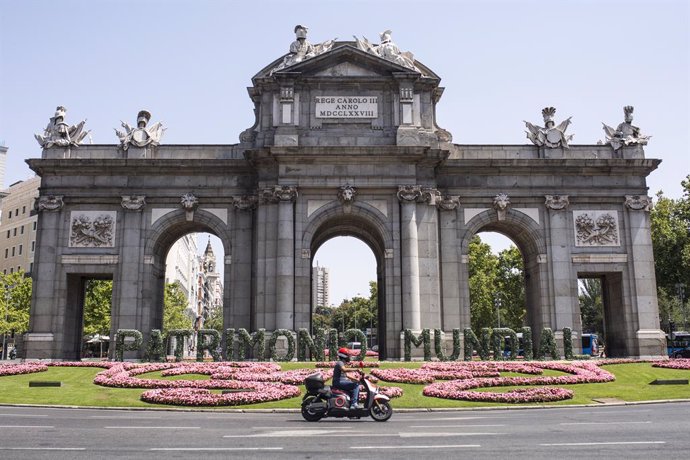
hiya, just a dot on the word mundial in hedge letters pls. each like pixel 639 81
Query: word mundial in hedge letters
pixel 312 348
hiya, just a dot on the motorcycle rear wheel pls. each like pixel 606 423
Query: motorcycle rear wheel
pixel 308 415
pixel 381 411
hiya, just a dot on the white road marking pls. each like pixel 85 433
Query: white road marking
pixel 454 418
pixel 42 448
pixel 23 415
pixel 121 417
pixel 603 423
pixel 211 449
pixel 611 443
pixel 434 435
pixel 447 446
pixel 452 426
pixel 152 427
pixel 26 426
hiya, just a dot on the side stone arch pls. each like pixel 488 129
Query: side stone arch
pixel 372 227
pixel 164 232
pixel 530 238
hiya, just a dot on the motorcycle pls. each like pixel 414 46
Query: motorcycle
pixel 324 401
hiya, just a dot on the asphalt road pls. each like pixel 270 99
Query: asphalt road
pixel 646 431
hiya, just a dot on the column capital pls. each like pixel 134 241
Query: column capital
pixel 278 193
pixel 448 203
pixel 50 203
pixel 557 202
pixel 638 202
pixel 409 193
pixel 245 202
pixel 133 203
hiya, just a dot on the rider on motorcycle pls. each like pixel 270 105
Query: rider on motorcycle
pixel 344 381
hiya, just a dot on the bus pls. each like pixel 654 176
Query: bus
pixel 677 341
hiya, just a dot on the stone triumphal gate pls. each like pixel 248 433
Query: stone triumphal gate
pixel 345 142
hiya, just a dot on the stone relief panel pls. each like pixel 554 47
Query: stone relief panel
pixel 92 229
pixel 596 228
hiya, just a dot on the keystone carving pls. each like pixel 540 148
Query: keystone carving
pixel 133 202
pixel 501 204
pixel 189 203
pixel 557 202
pixel 50 203
pixel 347 194
pixel 638 202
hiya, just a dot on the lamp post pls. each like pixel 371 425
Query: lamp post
pixel 497 302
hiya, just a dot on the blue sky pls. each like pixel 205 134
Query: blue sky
pixel 189 63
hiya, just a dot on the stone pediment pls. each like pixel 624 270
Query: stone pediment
pixel 345 60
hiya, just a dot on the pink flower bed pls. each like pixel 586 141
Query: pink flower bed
pixel 519 395
pixel 679 363
pixel 580 372
pixel 25 368
pixel 352 365
pixel 253 393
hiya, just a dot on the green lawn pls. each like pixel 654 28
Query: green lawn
pixel 632 384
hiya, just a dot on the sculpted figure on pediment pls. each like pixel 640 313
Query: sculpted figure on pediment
pixel 301 49
pixel 387 49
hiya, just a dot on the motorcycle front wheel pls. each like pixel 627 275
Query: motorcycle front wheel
pixel 381 411
pixel 308 415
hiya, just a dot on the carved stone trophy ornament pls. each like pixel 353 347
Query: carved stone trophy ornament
pixel 141 136
pixel 625 134
pixel 549 136
pixel 59 134
pixel 301 49
pixel 387 50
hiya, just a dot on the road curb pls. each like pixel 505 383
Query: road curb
pixel 296 411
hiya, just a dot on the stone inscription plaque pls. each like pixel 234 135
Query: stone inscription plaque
pixel 346 106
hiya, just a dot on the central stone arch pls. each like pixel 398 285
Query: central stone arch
pixel 164 232
pixel 369 225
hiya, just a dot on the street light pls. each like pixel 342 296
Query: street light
pixel 680 291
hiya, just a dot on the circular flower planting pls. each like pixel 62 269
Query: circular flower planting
pixel 248 393
pixel 679 363
pixel 583 372
pixel 26 368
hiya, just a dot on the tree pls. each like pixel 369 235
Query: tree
pixel 174 306
pixel 511 288
pixel 591 305
pixel 670 224
pixel 98 296
pixel 215 319
pixel 483 268
pixel 358 312
pixel 15 295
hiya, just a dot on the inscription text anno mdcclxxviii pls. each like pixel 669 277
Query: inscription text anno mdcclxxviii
pixel 346 107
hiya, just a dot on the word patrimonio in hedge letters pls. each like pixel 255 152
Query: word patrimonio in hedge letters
pixel 241 345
